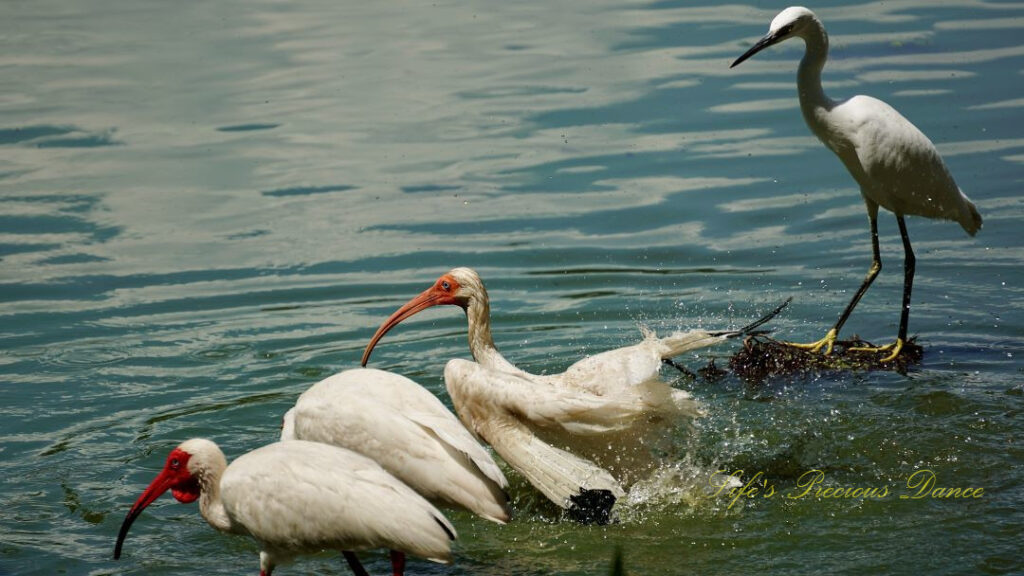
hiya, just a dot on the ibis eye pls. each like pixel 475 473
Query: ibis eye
pixel 175 463
pixel 445 285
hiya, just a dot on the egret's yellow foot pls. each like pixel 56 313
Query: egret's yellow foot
pixel 826 342
pixel 896 348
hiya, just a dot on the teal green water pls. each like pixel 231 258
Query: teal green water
pixel 206 207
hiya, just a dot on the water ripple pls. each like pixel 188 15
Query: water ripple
pixel 204 211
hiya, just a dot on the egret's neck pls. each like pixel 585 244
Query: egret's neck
pixel 813 100
pixel 210 505
pixel 481 343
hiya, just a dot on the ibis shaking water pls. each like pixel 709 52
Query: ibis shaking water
pixel 301 497
pixel 895 164
pixel 566 433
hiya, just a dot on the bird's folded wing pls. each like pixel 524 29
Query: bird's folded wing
pixel 371 395
pixel 557 474
pixel 450 431
pixel 295 494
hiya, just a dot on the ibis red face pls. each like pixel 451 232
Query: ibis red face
pixel 174 477
pixel 442 292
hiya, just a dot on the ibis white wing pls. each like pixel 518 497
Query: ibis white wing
pixel 407 430
pixel 479 392
pixel 558 474
pixel 298 496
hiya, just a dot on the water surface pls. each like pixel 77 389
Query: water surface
pixel 207 207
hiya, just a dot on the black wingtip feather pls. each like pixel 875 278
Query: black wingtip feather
pixel 591 506
pixel 749 328
pixel 451 536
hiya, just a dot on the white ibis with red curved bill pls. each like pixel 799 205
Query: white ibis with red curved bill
pixel 301 497
pixel 566 433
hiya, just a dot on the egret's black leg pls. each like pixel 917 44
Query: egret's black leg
pixel 876 267
pixel 909 262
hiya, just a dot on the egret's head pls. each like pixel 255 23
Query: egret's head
pixel 458 287
pixel 793 21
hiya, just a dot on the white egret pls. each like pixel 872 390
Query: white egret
pixel 895 164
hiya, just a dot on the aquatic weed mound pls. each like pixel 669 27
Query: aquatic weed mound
pixel 762 357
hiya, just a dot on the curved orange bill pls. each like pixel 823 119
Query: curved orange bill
pixel 429 297
pixel 163 482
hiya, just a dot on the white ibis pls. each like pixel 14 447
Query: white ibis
pixel 606 406
pixel 408 431
pixel 301 497
pixel 895 164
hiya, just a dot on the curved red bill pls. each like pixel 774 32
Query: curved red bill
pixel 429 297
pixel 156 488
pixel 174 477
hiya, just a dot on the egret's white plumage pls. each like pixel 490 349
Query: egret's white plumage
pixel 584 430
pixel 408 431
pixel 299 497
pixel 895 164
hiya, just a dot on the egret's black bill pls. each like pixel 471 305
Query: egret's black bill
pixel 760 45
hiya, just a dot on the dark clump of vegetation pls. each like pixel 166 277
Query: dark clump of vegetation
pixel 762 357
